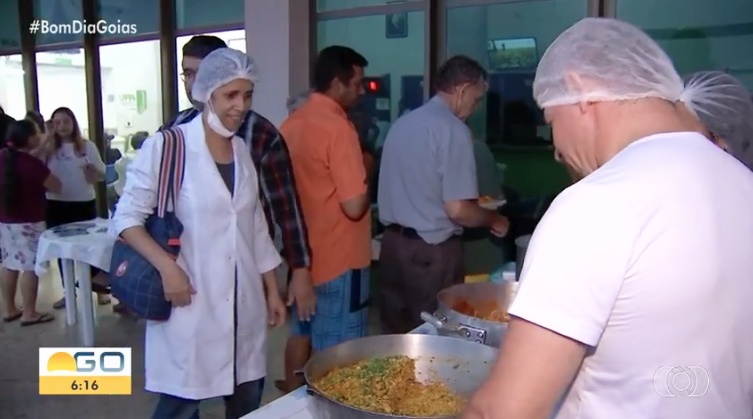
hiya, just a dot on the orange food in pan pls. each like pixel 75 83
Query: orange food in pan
pixel 488 311
pixel 486 200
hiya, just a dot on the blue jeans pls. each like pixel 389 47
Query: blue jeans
pixel 245 399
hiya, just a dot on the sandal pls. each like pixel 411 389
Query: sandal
pixel 59 304
pixel 100 289
pixel 43 318
pixel 120 308
pixel 13 317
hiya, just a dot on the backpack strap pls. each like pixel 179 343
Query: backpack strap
pixel 172 167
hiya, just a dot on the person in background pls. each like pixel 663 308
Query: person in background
pixel 38 120
pixel 725 108
pixel 272 161
pixel 77 163
pixel 23 182
pixel 368 133
pixel 298 345
pixel 332 183
pixel 115 190
pixel 5 123
pixel 121 166
pixel 222 286
pixel 481 252
pixel 367 130
pixel 112 154
pixel 606 323
pixel 428 192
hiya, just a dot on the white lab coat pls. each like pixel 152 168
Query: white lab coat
pixel 191 354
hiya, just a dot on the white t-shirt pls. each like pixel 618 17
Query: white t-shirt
pixel 649 262
pixel 69 168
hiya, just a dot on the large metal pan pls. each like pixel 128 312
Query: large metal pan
pixel 452 323
pixel 462 365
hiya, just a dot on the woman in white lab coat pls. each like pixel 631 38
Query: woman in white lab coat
pixel 222 286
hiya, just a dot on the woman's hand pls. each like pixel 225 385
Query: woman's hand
pixel 276 309
pixel 176 285
pixel 91 173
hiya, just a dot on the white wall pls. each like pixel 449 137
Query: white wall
pixel 268 41
pixel 130 74
pixel 12 95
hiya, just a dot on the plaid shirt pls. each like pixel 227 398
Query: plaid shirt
pixel 279 198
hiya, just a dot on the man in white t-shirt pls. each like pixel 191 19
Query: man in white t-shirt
pixel 636 299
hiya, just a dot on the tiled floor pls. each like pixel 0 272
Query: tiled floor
pixel 19 367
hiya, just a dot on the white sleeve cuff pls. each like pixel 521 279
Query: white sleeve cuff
pixel 569 327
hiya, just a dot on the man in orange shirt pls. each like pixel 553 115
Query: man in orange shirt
pixel 332 185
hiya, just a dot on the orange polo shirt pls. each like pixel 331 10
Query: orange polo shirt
pixel 328 168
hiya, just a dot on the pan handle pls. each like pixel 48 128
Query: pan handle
pixel 309 389
pixel 439 324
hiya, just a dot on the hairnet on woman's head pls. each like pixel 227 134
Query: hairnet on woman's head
pixel 725 108
pixel 601 59
pixel 221 67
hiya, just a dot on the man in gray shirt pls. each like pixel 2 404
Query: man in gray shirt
pixel 427 193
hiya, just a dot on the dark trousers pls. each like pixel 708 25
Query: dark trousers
pixel 412 274
pixel 245 399
pixel 65 212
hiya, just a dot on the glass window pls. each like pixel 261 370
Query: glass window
pixel 699 35
pixel 207 13
pixel 325 5
pixel 131 92
pixel 509 39
pixel 394 46
pixel 66 15
pixel 233 39
pixel 62 82
pixel 12 95
pixel 10 32
pixel 134 17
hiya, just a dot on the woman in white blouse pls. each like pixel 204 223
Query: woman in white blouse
pixel 222 286
pixel 77 163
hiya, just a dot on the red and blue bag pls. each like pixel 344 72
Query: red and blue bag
pixel 134 281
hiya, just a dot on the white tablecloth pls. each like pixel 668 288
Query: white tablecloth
pixel 85 241
pixel 295 405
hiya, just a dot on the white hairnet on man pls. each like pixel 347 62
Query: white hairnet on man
pixel 219 68
pixel 659 225
pixel 725 108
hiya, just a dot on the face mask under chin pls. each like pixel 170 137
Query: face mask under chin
pixel 215 124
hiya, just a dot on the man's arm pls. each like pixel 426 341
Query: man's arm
pixel 569 284
pixel 277 182
pixel 457 165
pixel 533 370
pixel 347 167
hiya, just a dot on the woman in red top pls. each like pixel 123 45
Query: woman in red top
pixel 24 179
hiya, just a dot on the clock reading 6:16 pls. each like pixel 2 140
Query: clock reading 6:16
pixel 84 385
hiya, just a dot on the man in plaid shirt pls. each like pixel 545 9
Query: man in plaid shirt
pixel 277 185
